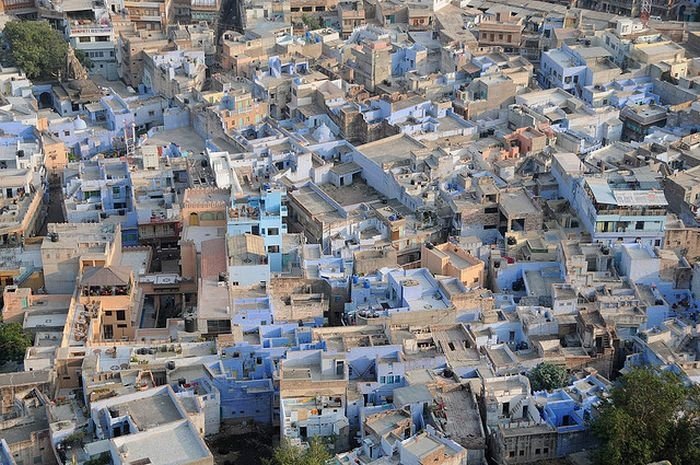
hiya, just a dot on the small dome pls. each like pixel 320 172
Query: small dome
pixel 323 133
pixel 79 123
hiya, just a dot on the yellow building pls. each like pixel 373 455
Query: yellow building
pixel 451 260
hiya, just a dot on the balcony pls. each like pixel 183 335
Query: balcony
pixel 243 214
pixel 631 212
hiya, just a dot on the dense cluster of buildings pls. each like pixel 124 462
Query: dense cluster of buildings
pixel 360 220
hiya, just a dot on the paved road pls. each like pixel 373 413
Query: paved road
pixel 54 210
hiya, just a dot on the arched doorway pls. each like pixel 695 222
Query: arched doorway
pixel 45 100
pixel 194 219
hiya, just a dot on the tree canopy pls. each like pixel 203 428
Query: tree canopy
pixel 311 22
pixel 545 377
pixel 35 47
pixel 13 342
pixel 651 417
pixel 287 454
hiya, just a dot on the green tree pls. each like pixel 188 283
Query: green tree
pixel 311 22
pixel 13 342
pixel 650 416
pixel 545 377
pixel 38 49
pixel 287 454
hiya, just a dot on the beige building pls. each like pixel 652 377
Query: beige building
pixel 501 31
pixel 18 301
pixel 684 239
pixel 451 260
pixel 485 93
pixel 15 386
pixel 152 15
pixel 301 8
pixel 26 431
pixel 372 63
pixel 21 197
pixel 109 296
pixel 69 248
pixel 132 45
pixel 55 154
pixel 351 14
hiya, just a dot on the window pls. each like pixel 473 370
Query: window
pixel 273 249
pixel 121 325
pixel 84 39
pixel 511 453
pixel 108 332
pixel 639 225
pixel 273 231
pixel 521 453
pixel 121 315
pixel 545 450
pixel 116 190
pixel 382 379
pixel 537 451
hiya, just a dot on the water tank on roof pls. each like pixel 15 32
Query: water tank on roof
pixel 190 324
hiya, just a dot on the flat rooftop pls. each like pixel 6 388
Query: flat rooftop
pixel 352 194
pixel 149 412
pixel 137 259
pixel 185 138
pixel 390 149
pixel 385 422
pixel 23 378
pixel 199 234
pixel 462 422
pixel 316 205
pixel 421 445
pixel 517 204
pixel 51 320
pixel 172 444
